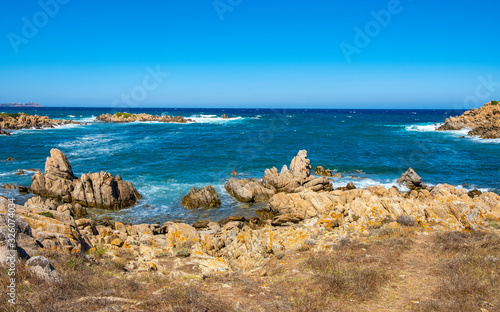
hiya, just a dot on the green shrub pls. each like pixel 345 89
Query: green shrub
pixel 494 102
pixel 183 253
pixel 124 115
pixel 10 115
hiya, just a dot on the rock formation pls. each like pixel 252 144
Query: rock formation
pixel 25 121
pixel 126 117
pixel 205 197
pixel 410 179
pixel 319 170
pixel 295 179
pixel 95 190
pixel 483 122
pixel 292 180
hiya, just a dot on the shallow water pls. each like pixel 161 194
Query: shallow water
pixel 164 160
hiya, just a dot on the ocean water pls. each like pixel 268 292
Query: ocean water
pixel 164 160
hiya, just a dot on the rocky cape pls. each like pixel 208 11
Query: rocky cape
pixel 94 190
pixel 24 121
pixel 126 117
pixel 20 105
pixel 483 122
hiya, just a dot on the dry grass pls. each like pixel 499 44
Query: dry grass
pixel 469 271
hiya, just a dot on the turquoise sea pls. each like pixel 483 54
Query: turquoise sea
pixel 164 160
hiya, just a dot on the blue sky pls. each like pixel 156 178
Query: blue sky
pixel 251 53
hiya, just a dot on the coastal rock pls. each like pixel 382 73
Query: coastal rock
pixel 295 179
pixel 205 197
pixel 319 170
pixel 483 122
pixel 96 190
pixel 286 218
pixel 411 179
pixel 224 116
pixel 248 191
pixel 7 245
pixel 126 117
pixel 24 121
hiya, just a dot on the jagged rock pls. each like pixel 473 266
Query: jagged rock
pixel 8 186
pixel 126 117
pixel 483 122
pixel 224 116
pixel 20 172
pixel 322 171
pixel 350 186
pixel 295 179
pixel 205 197
pixel 96 190
pixel 411 179
pixel 234 173
pixel 248 191
pixel 337 175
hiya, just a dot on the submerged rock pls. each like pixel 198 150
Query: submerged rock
pixel 205 197
pixel 95 190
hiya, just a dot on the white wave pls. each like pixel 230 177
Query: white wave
pixel 363 183
pixel 422 128
pixel 71 116
pixel 214 120
pixel 479 140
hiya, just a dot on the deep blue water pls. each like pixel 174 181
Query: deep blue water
pixel 164 161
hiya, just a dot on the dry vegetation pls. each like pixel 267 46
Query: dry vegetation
pixel 353 274
pixel 469 272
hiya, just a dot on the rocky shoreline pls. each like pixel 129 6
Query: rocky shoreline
pixel 301 210
pixel 483 122
pixel 24 121
pixel 126 117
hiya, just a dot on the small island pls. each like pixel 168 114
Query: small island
pixel 483 122
pixel 24 121
pixel 21 105
pixel 127 117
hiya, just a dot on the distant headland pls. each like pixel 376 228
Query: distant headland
pixel 29 104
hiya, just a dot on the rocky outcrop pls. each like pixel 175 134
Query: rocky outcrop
pixel 319 170
pixel 295 179
pixel 126 117
pixel 410 179
pixel 483 122
pixel 25 121
pixel 248 190
pixel 95 190
pixel 205 197
pixel 224 116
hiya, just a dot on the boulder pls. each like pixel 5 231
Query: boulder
pixel 41 267
pixel 286 218
pixel 411 179
pixel 205 197
pixel 96 190
pixel 248 190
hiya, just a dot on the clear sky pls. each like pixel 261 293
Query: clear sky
pixel 251 53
